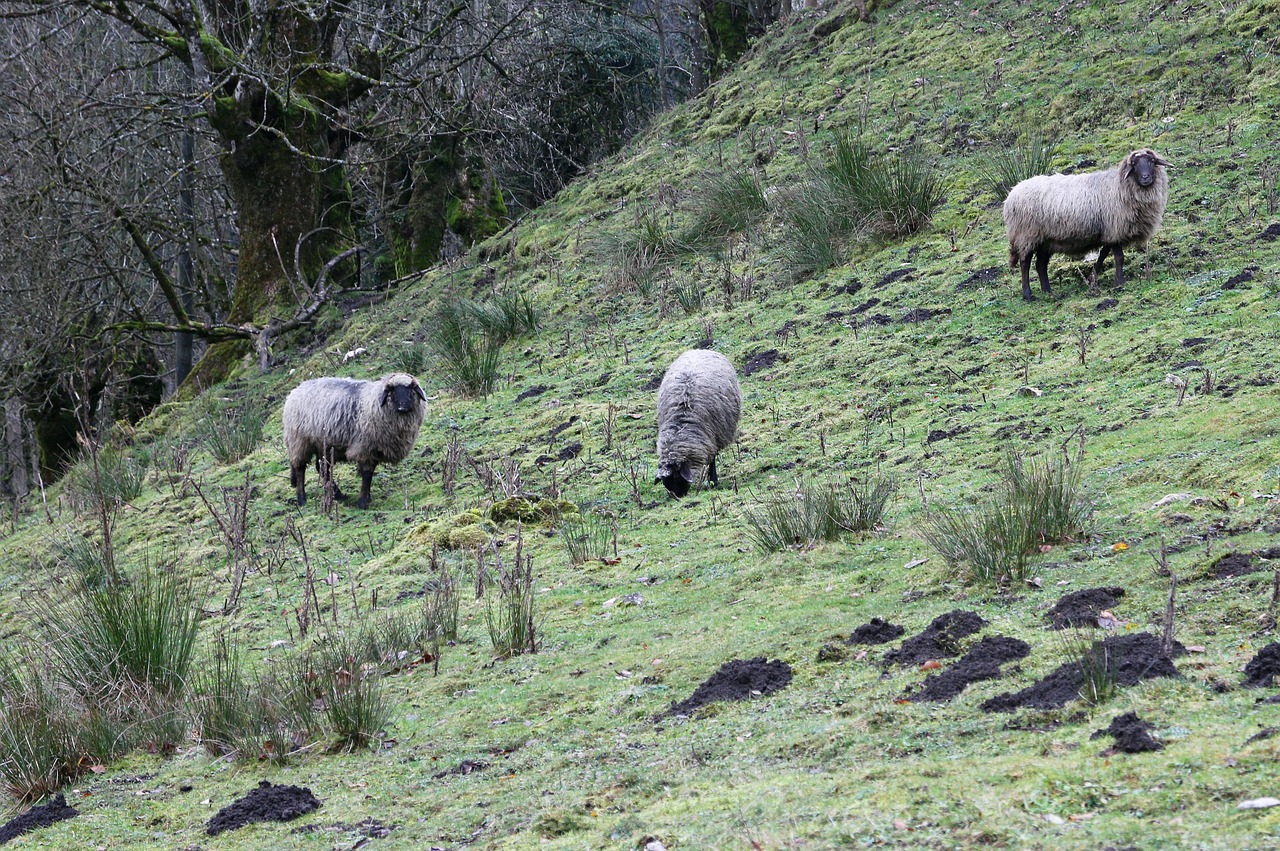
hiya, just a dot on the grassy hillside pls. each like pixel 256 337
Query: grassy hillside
pixel 907 358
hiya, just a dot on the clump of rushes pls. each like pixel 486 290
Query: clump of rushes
pixel 1005 166
pixel 727 203
pixel 1036 503
pixel 231 432
pixel 588 535
pixel 816 512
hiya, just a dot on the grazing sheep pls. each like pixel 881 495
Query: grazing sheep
pixel 699 403
pixel 344 419
pixel 1076 213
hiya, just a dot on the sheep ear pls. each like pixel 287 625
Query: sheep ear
pixel 386 395
pixel 686 472
pixel 657 480
pixel 1161 160
pixel 1126 167
pixel 417 388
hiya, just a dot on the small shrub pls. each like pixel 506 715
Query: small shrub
pixel 588 535
pixel 231 432
pixel 1036 502
pixel 1003 168
pixel 819 512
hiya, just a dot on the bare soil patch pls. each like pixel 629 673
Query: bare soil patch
pixel 1130 659
pixel 737 680
pixel 982 662
pixel 1262 668
pixel 762 360
pixel 1131 734
pixel 266 803
pixel 940 639
pixel 37 817
pixel 1233 564
pixel 1081 608
pixel 876 631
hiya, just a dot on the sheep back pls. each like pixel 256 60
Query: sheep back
pixel 699 405
pixel 1075 213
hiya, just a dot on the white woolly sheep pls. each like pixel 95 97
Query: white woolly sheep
pixel 344 419
pixel 1076 213
pixel 699 404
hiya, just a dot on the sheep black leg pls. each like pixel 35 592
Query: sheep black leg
pixel 1042 268
pixel 1097 269
pixel 366 481
pixel 711 473
pixel 1026 278
pixel 1119 267
pixel 298 478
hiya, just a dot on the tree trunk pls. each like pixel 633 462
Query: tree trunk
pixel 14 480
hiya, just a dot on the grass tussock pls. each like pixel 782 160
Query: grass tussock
pixel 727 203
pixel 109 477
pixel 1004 167
pixel 1037 503
pixel 856 195
pixel 466 337
pixel 817 512
pixel 589 536
pixel 230 432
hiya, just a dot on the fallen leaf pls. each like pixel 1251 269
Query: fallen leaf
pixel 98 769
pixel 860 655
pixel 1054 819
pixel 915 562
pixel 930 665
pixel 1080 817
pixel 899 824
pixel 1119 547
pixel 1195 648
pixel 1258 804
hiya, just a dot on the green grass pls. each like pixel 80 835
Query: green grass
pixel 572 755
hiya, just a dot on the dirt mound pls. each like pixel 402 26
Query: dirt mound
pixel 876 631
pixel 1260 670
pixel 1233 564
pixel 737 680
pixel 37 817
pixel 266 803
pixel 1130 734
pixel 1081 608
pixel 761 360
pixel 982 662
pixel 938 640
pixel 1130 659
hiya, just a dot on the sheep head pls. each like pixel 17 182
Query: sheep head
pixel 676 481
pixel 1141 165
pixel 401 389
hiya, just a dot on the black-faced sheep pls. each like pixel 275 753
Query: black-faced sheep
pixel 1076 213
pixel 344 419
pixel 699 404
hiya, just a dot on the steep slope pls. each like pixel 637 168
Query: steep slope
pixel 905 360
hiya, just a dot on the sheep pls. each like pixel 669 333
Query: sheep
pixel 699 404
pixel 346 419
pixel 1076 213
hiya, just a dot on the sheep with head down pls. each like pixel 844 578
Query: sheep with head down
pixel 345 419
pixel 1076 213
pixel 699 405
